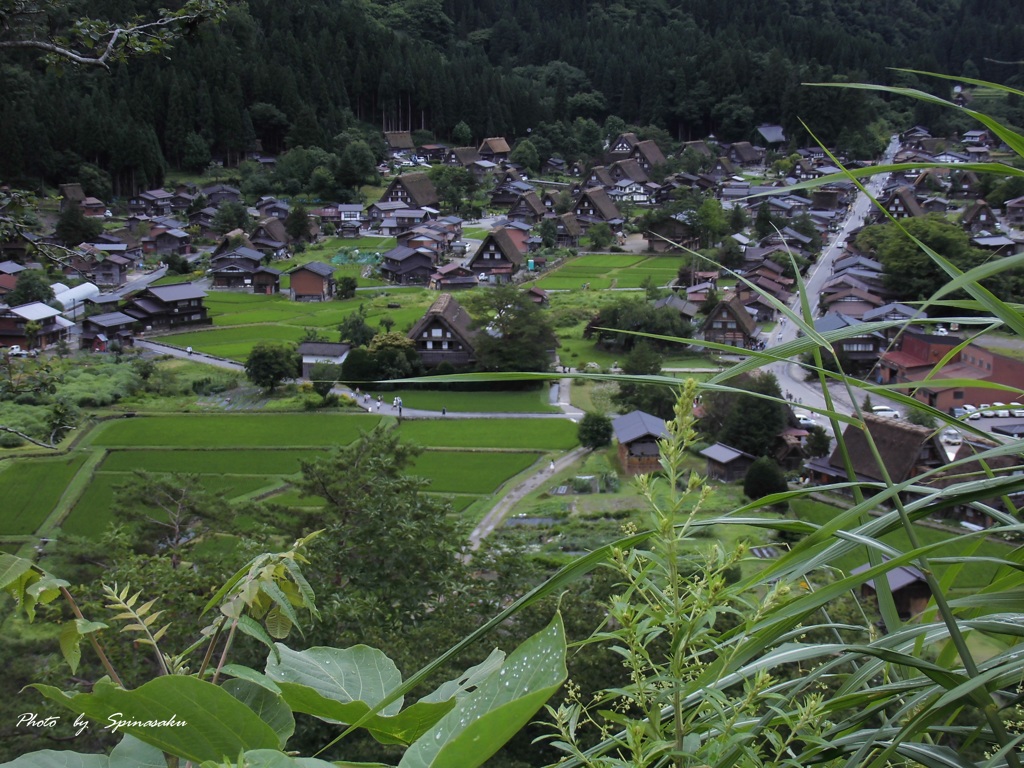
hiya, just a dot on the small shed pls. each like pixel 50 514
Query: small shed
pixel 910 591
pixel 638 434
pixel 726 463
pixel 313 352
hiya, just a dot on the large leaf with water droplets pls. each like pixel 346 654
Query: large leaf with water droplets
pixel 341 685
pixel 485 719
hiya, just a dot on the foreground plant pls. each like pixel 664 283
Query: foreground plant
pixel 247 719
pixel 682 611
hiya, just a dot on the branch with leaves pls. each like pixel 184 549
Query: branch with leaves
pixel 98 43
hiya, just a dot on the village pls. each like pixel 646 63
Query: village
pixel 115 293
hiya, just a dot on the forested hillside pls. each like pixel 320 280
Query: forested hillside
pixel 312 73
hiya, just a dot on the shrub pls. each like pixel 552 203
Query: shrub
pixel 764 477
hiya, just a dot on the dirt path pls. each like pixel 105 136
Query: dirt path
pixel 500 511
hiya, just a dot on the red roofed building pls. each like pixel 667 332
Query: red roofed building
pixel 918 355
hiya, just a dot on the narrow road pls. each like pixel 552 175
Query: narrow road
pixel 501 510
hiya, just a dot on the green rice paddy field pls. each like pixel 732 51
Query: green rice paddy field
pixel 242 320
pixel 255 455
pixel 611 271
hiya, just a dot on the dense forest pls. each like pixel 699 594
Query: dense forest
pixel 328 72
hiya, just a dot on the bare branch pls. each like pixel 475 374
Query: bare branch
pixel 121 38
pixel 28 438
pixel 65 53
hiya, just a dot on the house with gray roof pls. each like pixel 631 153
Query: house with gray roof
pixel 316 352
pixel 637 434
pixel 166 307
pixel 407 266
pixel 312 282
pixel 726 463
pixel 909 588
pixel 99 330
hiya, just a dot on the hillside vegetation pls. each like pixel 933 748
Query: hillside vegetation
pixel 328 73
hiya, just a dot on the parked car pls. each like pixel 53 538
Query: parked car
pixel 1000 410
pixel 986 410
pixel 972 413
pixel 951 437
pixel 16 351
pixel 1017 410
pixel 806 421
pixel 885 411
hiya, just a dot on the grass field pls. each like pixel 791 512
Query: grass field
pixel 467 472
pixel 224 431
pixel 539 434
pixel 31 489
pixel 496 401
pixel 92 513
pixel 302 429
pixel 611 271
pixel 242 320
pixel 272 461
pixel 240 455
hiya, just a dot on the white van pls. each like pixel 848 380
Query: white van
pixel 885 411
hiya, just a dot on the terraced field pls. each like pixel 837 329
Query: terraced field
pixel 255 455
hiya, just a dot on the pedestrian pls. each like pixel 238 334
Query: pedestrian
pixel 399 411
pixel 444 411
pixel 378 404
pixel 551 466
pixel 189 350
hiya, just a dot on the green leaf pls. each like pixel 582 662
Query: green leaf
pixel 70 638
pixel 245 673
pixel 254 629
pixel 271 758
pixel 132 753
pixel 356 674
pixel 268 705
pixel 278 625
pixel 216 725
pixel 469 679
pixel 51 758
pixel 343 685
pixel 483 721
pixel 11 569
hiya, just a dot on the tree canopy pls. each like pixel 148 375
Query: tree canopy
pixel 515 333
pixel 270 363
pixel 909 272
pixel 461 70
pixel 746 419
